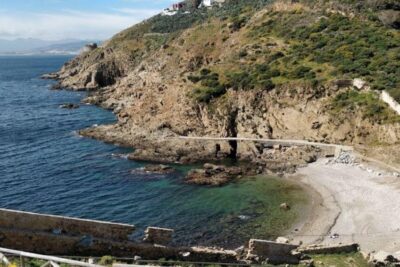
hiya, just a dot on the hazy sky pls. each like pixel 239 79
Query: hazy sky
pixel 72 19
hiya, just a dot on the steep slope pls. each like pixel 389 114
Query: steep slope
pixel 255 68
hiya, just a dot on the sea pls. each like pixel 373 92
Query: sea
pixel 46 167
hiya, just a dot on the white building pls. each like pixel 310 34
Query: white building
pixel 210 3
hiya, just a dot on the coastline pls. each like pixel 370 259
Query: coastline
pixel 356 204
pixel 337 191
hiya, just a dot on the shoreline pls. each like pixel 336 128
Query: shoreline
pixel 330 212
pixel 356 204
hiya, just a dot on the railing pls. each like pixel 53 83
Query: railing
pixel 50 261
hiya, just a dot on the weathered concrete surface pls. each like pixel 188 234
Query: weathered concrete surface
pixel 272 252
pixel 160 236
pixel 58 225
pixel 393 104
pixel 333 249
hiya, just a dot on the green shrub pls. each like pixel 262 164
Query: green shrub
pixel 300 72
pixel 368 103
pixel 106 260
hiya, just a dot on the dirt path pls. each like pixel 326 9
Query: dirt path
pixel 357 203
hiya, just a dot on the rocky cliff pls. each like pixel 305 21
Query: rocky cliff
pixel 262 69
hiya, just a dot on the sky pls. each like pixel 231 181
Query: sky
pixel 73 19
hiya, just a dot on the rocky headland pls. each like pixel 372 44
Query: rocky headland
pixel 162 84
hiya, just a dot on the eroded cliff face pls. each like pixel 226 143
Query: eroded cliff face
pixel 152 98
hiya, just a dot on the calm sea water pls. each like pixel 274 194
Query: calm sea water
pixel 46 167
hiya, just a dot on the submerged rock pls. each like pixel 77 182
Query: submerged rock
pixel 214 175
pixel 154 169
pixel 69 106
pixel 50 76
pixel 284 206
pixel 56 86
pixel 159 169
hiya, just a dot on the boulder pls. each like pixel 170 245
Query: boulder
pixel 310 159
pixel 316 125
pixel 390 18
pixel 284 206
pixel 359 83
pixel 56 86
pixel 158 169
pixel 214 175
pixel 382 258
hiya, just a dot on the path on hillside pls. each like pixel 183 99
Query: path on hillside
pixel 285 142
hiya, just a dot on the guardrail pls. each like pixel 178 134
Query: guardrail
pixel 50 260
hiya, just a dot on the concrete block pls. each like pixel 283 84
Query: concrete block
pixel 272 252
pixel 330 249
pixel 156 235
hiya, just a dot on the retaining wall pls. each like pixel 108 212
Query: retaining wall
pixel 59 225
pixel 387 98
pixel 332 249
pixel 57 235
pixel 272 252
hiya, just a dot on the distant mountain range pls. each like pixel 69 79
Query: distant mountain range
pixel 42 47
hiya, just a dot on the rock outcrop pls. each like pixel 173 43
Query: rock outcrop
pixel 214 175
pixel 142 76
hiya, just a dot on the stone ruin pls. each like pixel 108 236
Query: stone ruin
pixel 57 235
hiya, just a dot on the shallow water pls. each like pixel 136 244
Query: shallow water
pixel 46 167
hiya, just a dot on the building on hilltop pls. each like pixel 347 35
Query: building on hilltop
pixel 178 6
pixel 210 3
pixel 174 9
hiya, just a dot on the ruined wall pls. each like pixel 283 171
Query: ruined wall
pixel 59 225
pixel 272 252
pixel 57 235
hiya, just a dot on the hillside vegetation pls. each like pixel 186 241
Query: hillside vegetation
pixel 256 68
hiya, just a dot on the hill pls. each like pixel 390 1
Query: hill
pixel 250 68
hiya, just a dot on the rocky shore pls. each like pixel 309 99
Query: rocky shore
pixel 214 175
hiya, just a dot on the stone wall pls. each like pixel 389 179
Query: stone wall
pixel 57 235
pixel 385 96
pixel 59 225
pixel 160 236
pixel 271 252
pixel 333 249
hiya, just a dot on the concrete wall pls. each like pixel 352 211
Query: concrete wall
pixel 157 235
pixel 385 96
pixel 57 235
pixel 58 225
pixel 272 252
pixel 333 249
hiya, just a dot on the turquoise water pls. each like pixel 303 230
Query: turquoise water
pixel 46 167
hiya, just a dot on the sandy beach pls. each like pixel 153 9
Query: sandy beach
pixel 355 203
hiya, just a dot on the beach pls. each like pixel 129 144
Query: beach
pixel 353 203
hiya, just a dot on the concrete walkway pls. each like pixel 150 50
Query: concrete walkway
pixel 283 142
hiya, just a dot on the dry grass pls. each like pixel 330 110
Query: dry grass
pixel 288 6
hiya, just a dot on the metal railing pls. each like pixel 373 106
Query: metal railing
pixel 50 261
